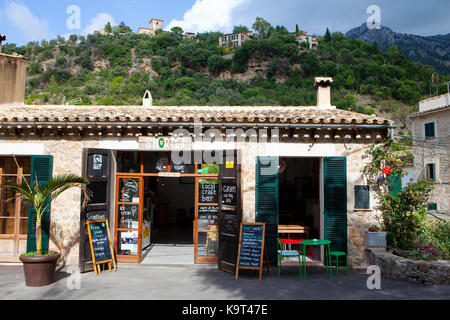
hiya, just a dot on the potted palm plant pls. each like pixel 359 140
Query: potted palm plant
pixel 39 266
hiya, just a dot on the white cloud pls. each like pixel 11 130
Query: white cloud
pixel 208 15
pixel 98 22
pixel 21 17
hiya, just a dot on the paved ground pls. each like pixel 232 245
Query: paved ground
pixel 206 283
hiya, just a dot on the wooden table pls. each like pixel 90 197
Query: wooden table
pixel 294 229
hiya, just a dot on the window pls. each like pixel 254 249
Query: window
pixel 362 197
pixel 236 43
pixel 429 130
pixel 431 171
pixel 13 211
pixel 224 39
pixel 432 206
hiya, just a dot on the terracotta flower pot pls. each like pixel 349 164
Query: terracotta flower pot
pixel 39 271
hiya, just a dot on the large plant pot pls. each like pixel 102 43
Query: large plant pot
pixel 376 239
pixel 39 271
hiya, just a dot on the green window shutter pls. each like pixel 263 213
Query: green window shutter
pixel 432 206
pixel 395 184
pixel 429 130
pixel 41 171
pixel 267 201
pixel 335 203
pixel 362 197
pixel 431 171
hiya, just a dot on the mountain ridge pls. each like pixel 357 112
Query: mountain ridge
pixel 431 50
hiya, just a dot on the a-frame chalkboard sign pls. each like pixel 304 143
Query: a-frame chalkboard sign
pixel 252 253
pixel 101 246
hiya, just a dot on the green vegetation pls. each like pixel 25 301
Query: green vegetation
pixel 117 68
pixel 403 214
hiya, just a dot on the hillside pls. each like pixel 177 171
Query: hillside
pixel 116 69
pixel 434 50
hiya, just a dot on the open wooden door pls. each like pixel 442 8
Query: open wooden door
pixel 335 204
pixel 230 213
pixel 97 169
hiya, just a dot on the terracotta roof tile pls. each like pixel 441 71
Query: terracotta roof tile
pixel 211 114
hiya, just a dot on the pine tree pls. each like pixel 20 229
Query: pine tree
pixel 297 30
pixel 327 35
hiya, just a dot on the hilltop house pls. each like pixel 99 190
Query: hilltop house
pixel 188 175
pixel 431 141
pixel 303 37
pixel 155 24
pixel 235 39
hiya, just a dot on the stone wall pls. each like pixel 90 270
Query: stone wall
pixel 65 211
pixel 434 150
pixel 392 266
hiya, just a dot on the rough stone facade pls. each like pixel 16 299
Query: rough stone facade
pixel 434 150
pixel 67 155
pixel 392 266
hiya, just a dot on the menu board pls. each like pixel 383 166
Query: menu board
pixel 229 194
pixel 207 216
pixel 251 247
pixel 228 222
pixel 100 241
pixel 208 191
pixel 129 190
pixel 128 216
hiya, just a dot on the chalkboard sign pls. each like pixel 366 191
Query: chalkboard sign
pixel 101 246
pixel 207 216
pixel 208 191
pixel 251 247
pixel 128 216
pixel 129 190
pixel 229 194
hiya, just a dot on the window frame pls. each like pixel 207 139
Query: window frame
pixel 426 131
pixel 364 187
pixel 431 174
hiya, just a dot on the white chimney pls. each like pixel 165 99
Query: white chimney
pixel 323 85
pixel 147 101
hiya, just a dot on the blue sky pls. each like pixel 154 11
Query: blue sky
pixel 31 20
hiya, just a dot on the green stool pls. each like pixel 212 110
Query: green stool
pixel 337 254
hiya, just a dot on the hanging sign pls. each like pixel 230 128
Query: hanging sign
pixel 165 143
pixel 101 245
pixel 251 248
pixel 229 194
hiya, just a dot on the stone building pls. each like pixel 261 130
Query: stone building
pixel 191 175
pixel 234 39
pixel 155 24
pixel 431 138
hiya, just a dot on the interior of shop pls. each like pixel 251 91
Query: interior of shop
pixel 299 201
pixel 169 208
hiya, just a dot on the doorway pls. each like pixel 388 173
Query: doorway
pixel 161 206
pixel 168 220
pixel 299 201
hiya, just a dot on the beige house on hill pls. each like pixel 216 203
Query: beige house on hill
pixel 431 138
pixel 190 176
pixel 155 24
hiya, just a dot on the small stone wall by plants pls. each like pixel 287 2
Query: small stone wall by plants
pixel 393 266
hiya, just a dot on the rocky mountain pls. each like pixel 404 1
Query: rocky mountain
pixel 433 50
